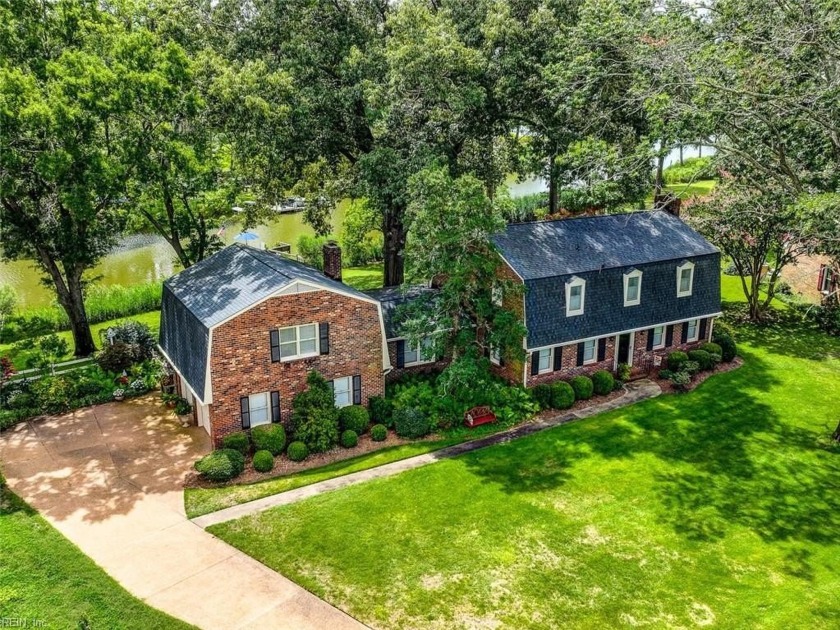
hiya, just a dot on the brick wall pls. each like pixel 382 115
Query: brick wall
pixel 240 358
pixel 512 369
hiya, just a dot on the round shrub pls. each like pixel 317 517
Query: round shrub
pixel 728 350
pixel 542 394
pixel 116 357
pixel 562 395
pixel 702 358
pixel 349 438
pixel 263 461
pixel 582 386
pixel 378 432
pixel 354 418
pixel 711 348
pixel 410 422
pixel 269 437
pixel 676 359
pixel 237 441
pixel 221 465
pixel 297 451
pixel 603 382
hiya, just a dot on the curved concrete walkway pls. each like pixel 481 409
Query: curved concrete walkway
pixel 634 392
pixel 110 479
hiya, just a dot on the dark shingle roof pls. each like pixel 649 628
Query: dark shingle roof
pixel 544 249
pixel 391 299
pixel 238 277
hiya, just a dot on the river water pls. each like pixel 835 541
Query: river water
pixel 141 258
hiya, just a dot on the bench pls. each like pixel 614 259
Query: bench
pixel 478 416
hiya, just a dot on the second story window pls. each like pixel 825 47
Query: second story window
pixel 685 279
pixel 632 287
pixel 575 295
pixel 419 353
pixel 298 341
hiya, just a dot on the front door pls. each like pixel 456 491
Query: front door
pixel 625 352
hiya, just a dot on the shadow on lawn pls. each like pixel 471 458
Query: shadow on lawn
pixel 735 462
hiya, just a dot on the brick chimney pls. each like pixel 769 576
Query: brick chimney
pixel 668 202
pixel 332 260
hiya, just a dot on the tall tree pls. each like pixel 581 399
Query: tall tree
pixel 60 168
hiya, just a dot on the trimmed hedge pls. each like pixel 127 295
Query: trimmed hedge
pixel 702 358
pixel 583 387
pixel 237 441
pixel 676 359
pixel 221 465
pixel 603 382
pixel 711 348
pixel 381 410
pixel 353 418
pixel 297 451
pixel 378 432
pixel 263 461
pixel 349 438
pixel 562 395
pixel 410 422
pixel 542 394
pixel 728 349
pixel 269 437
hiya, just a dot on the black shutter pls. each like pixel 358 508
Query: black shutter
pixel 501 360
pixel 275 406
pixel 669 336
pixel 602 348
pixel 274 339
pixel 401 353
pixel 245 412
pixel 703 329
pixel 357 390
pixel 684 333
pixel 580 349
pixel 650 333
pixel 558 358
pixel 324 334
pixel 535 363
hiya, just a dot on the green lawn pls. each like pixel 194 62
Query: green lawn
pixel 364 278
pixel 718 507
pixel 44 577
pixel 19 355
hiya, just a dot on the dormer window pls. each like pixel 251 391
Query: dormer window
pixel 685 279
pixel 575 295
pixel 632 287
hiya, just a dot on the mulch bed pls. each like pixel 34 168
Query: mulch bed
pixel 578 406
pixel 668 387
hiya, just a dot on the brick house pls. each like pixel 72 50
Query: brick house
pixel 244 327
pixel 609 289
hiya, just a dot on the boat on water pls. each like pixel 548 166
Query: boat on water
pixel 290 204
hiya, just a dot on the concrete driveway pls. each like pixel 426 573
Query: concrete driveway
pixel 110 479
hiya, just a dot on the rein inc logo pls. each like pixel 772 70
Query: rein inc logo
pixel 22 622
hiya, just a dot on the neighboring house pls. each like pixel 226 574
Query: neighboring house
pixel 609 289
pixel 244 327
pixel 811 277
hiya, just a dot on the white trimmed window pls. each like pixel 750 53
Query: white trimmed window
pixel 419 353
pixel 298 341
pixel 685 279
pixel 693 330
pixel 658 337
pixel 259 409
pixel 545 361
pixel 590 351
pixel 496 295
pixel 495 356
pixel 632 288
pixel 575 295
pixel 343 391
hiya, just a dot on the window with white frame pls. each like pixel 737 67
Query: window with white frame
pixel 575 295
pixel 545 360
pixel 693 330
pixel 658 337
pixel 343 391
pixel 590 351
pixel 419 353
pixel 685 279
pixel 495 356
pixel 496 295
pixel 632 287
pixel 259 409
pixel 298 341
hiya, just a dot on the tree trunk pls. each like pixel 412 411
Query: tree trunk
pixel 681 153
pixel 658 182
pixel 553 188
pixel 71 299
pixel 836 435
pixel 394 246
